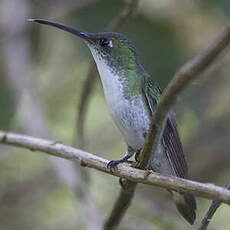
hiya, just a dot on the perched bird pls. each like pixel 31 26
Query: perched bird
pixel 132 96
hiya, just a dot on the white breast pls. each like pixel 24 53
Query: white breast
pixel 130 116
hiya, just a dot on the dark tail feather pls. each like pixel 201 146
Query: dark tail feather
pixel 186 205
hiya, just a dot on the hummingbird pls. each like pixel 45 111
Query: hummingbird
pixel 132 96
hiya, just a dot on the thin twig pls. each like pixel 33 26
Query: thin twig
pixel 116 24
pixel 53 148
pixel 210 213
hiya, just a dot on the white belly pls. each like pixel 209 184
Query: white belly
pixel 132 120
pixel 130 116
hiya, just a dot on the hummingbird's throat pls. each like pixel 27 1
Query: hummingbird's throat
pixel 116 79
pixel 103 60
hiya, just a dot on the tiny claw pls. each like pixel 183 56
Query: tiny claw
pixel 113 164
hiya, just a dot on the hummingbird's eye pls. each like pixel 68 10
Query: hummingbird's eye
pixel 104 42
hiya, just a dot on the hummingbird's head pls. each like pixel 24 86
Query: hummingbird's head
pixel 113 49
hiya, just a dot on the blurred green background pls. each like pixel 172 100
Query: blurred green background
pixel 42 72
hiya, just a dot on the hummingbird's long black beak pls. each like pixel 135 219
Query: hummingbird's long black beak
pixel 84 35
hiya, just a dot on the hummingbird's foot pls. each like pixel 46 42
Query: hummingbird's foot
pixel 114 163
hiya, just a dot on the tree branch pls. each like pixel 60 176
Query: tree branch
pixel 208 191
pixel 210 213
